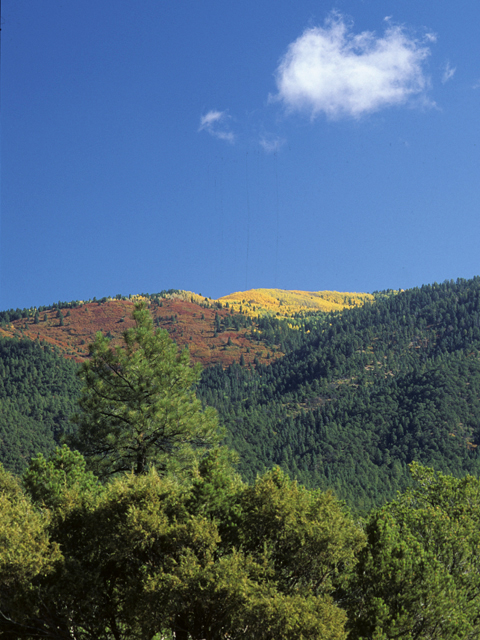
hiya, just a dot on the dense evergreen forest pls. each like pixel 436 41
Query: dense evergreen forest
pixel 38 393
pixel 357 396
pixel 365 394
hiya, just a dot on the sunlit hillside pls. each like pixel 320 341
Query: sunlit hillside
pixel 287 303
pixel 212 333
pixel 216 331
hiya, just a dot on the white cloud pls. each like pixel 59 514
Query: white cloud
pixel 448 73
pixel 216 123
pixel 332 71
pixel 271 143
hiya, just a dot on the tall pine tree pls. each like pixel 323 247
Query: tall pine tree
pixel 138 406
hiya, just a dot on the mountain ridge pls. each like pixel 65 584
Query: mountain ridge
pixel 215 331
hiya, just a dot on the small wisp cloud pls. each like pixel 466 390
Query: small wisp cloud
pixel 448 73
pixel 271 143
pixel 216 123
pixel 332 71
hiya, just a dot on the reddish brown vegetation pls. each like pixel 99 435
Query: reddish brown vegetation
pixel 188 323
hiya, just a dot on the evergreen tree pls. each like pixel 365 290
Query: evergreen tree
pixel 419 574
pixel 138 406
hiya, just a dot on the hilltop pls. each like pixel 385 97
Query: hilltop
pixel 289 303
pixel 189 323
pixel 215 331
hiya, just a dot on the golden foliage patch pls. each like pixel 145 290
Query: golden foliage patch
pixel 287 303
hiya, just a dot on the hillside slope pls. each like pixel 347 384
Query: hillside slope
pixel 365 394
pixel 214 334
pixel 38 391
pixel 34 410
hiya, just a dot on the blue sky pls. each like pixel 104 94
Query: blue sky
pixel 219 146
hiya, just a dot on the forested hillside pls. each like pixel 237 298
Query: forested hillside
pixel 343 399
pixel 38 391
pixel 373 389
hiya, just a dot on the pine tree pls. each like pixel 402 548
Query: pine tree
pixel 139 406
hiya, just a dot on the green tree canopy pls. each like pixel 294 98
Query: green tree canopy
pixel 419 574
pixel 27 555
pixel 147 556
pixel 138 406
pixel 51 481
